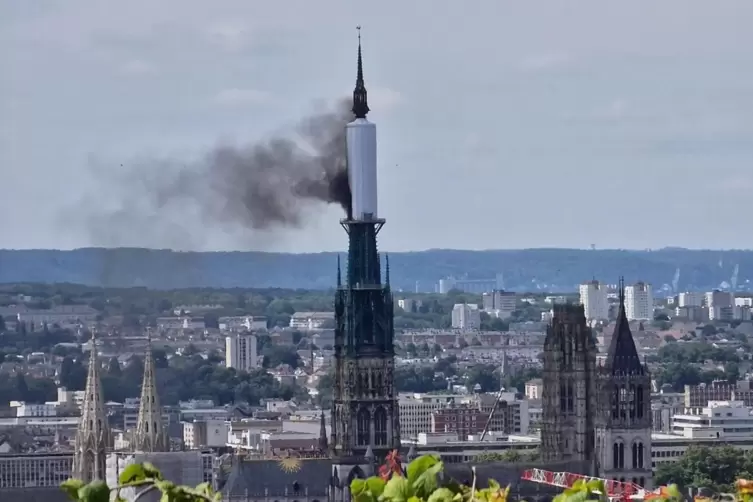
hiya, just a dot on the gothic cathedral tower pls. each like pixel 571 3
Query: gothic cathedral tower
pixel 365 423
pixel 623 428
pixel 569 389
pixel 93 438
pixel 150 432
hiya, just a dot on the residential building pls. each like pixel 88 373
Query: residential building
pixel 499 303
pixel 240 352
pixel 593 297
pixel 309 321
pixel 639 302
pixel 466 316
pixel 690 299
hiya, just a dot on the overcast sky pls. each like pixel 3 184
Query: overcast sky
pixel 501 124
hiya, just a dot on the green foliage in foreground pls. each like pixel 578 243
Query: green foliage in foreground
pixel 418 482
pixel 144 478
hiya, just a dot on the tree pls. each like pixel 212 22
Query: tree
pixel 714 468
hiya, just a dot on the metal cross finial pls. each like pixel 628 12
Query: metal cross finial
pixel 359 32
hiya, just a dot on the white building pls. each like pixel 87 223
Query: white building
pixel 248 323
pixel 719 420
pixel 466 316
pixel 311 320
pixel 639 302
pixel 499 303
pixel 240 352
pixel 593 297
pixel 409 304
pixel 721 305
pixel 690 299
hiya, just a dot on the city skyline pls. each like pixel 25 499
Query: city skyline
pixel 564 105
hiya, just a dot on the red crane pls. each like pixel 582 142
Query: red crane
pixel 615 489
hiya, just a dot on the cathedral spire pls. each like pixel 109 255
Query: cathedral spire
pixel 150 434
pixel 622 356
pixel 323 447
pixel 93 437
pixel 360 105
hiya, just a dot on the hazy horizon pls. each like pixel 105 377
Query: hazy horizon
pixel 501 125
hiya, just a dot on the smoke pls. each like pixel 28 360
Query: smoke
pixel 261 186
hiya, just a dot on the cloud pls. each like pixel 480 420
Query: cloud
pixel 739 183
pixel 136 67
pixel 383 98
pixel 546 62
pixel 234 97
pixel 228 35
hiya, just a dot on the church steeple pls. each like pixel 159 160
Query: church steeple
pixel 622 356
pixel 94 436
pixel 360 104
pixel 150 434
pixel 323 446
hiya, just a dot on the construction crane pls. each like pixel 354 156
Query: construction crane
pixel 616 490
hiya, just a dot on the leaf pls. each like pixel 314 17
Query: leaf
pixel 96 491
pixel 357 486
pixel 493 485
pixel 441 495
pixel 427 481
pixel 376 486
pixel 151 472
pixel 71 487
pixel 397 490
pixel 134 472
pixel 420 465
pixel 204 489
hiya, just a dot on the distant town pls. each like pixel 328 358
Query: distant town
pixel 251 372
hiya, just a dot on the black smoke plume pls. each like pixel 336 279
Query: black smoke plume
pixel 260 186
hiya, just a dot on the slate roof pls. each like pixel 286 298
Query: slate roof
pixel 279 478
pixel 622 356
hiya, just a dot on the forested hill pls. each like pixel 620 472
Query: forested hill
pixel 523 270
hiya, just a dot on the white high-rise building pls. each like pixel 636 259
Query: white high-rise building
pixel 593 297
pixel 466 316
pixel 240 352
pixel 639 302
pixel 690 299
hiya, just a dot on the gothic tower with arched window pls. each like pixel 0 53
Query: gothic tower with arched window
pixel 365 425
pixel 623 423
pixel 569 390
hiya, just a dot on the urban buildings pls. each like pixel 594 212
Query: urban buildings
pixel 593 297
pixel 240 352
pixel 639 302
pixel 499 303
pixel 466 316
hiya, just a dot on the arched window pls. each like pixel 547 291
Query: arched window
pixel 364 426
pixel 570 397
pixel 563 397
pixel 146 427
pixel 615 455
pixel 623 402
pixel 631 402
pixel 635 455
pixel 640 455
pixel 639 401
pixel 622 457
pixel 615 402
pixel 642 481
pixel 380 426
